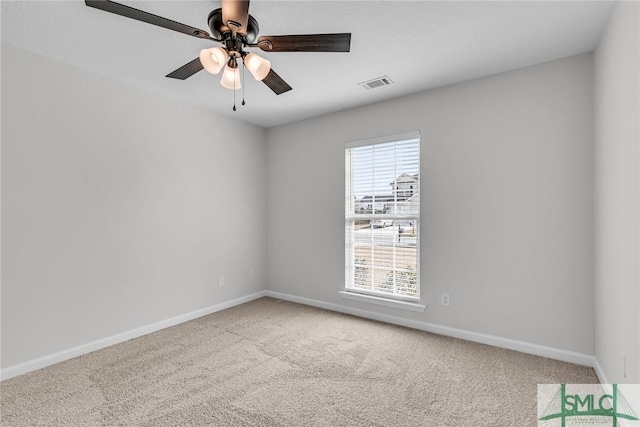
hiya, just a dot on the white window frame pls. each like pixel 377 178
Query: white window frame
pixel 379 297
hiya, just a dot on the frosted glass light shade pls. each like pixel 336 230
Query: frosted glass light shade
pixel 258 66
pixel 213 59
pixel 231 78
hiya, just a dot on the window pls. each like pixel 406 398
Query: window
pixel 382 216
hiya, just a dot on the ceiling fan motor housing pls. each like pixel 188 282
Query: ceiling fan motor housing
pixel 221 31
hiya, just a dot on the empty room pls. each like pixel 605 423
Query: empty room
pixel 323 213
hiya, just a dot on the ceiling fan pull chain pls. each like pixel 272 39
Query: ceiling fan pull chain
pixel 243 67
pixel 234 92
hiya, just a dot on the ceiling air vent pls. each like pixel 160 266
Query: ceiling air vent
pixel 379 82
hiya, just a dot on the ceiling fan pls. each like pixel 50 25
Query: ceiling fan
pixel 233 27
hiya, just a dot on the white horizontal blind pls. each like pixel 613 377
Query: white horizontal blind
pixel 382 216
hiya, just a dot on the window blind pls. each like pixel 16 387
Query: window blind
pixel 382 216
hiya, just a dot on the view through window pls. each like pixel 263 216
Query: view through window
pixel 382 218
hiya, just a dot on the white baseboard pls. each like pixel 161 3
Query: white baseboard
pixel 32 365
pixel 599 371
pixel 552 353
pixel 521 346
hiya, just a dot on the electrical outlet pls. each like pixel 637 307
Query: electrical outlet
pixel 221 281
pixel 445 300
pixel 252 274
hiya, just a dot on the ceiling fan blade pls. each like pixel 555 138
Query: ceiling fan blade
pixel 276 83
pixel 235 15
pixel 139 15
pixel 306 43
pixel 187 70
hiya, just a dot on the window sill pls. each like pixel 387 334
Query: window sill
pixel 405 305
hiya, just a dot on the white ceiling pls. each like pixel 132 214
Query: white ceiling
pixel 418 44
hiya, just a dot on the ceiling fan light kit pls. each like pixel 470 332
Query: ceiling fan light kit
pixel 258 66
pixel 233 27
pixel 213 59
pixel 231 76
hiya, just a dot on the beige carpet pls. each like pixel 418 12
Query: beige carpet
pixel 275 363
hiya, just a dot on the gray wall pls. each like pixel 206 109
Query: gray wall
pixel 617 136
pixel 113 220
pixel 120 208
pixel 507 203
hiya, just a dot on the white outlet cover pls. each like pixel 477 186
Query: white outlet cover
pixel 445 300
